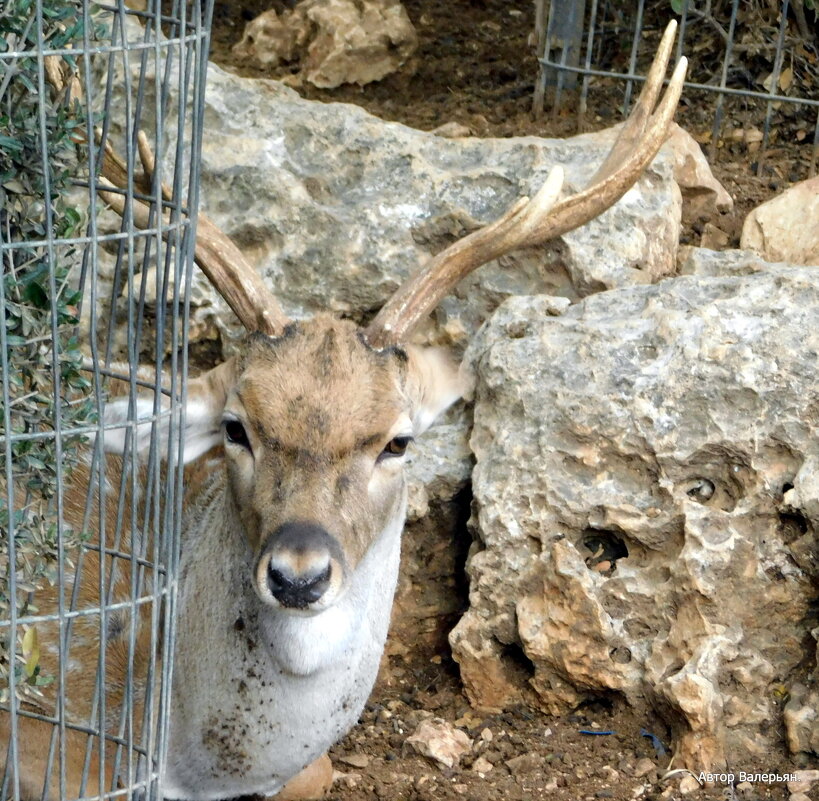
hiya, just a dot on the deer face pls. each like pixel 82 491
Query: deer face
pixel 316 426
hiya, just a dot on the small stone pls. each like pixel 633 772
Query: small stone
pixel 351 780
pixel 804 780
pixel 643 767
pixel 551 785
pixel 313 782
pixel 638 791
pixel 336 41
pixel 702 194
pixel 441 741
pixel 452 130
pixel 460 788
pixel 525 763
pixel 713 238
pixel 745 789
pixel 785 227
pixel 689 784
pixel 608 773
pixel 482 766
pixel 355 760
pixel 468 720
pixel 799 797
pixel 486 735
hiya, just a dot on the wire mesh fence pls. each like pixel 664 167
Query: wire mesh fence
pixel 96 246
pixel 753 74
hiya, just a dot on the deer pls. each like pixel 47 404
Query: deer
pixel 295 501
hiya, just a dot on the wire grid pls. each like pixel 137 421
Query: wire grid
pixel 100 727
pixel 607 23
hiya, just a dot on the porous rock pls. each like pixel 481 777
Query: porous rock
pixel 786 228
pixel 333 41
pixel 644 506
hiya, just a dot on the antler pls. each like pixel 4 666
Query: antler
pixel 217 256
pixel 536 221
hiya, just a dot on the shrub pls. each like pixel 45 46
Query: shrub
pixel 44 392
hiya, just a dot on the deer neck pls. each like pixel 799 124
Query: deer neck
pixel 253 680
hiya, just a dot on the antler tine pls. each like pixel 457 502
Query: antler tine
pixel 640 115
pixel 620 170
pixel 418 296
pixel 222 262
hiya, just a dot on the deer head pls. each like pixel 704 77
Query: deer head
pixel 315 424
pixel 316 417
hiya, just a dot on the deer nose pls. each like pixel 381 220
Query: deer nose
pixel 302 562
pixel 297 591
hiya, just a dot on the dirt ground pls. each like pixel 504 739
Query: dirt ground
pixel 475 66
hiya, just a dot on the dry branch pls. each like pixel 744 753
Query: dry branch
pixel 127 193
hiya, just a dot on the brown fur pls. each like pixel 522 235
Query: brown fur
pixel 314 404
pixel 81 661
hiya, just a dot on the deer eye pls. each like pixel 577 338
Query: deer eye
pixel 397 446
pixel 235 433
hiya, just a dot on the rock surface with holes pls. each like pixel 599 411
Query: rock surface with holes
pixel 645 508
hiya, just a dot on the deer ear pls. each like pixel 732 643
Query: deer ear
pixel 433 384
pixel 206 397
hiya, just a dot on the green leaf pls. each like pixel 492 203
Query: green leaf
pixel 36 295
pixel 8 143
pixel 14 341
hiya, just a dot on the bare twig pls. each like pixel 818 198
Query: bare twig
pixel 217 256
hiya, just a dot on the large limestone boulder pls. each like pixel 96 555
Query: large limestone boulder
pixel 786 228
pixel 333 41
pixel 645 508
pixel 336 207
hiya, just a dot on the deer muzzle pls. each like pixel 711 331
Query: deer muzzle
pixel 301 567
